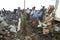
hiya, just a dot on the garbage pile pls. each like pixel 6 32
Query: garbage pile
pixel 29 24
pixel 8 24
pixel 39 23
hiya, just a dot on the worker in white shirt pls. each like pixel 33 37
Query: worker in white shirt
pixel 28 13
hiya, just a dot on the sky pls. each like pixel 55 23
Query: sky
pixel 12 4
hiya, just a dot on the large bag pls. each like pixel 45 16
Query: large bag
pixel 45 31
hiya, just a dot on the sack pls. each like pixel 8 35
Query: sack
pixel 45 31
pixel 50 8
pixel 49 19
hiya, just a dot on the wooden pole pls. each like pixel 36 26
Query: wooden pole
pixel 24 4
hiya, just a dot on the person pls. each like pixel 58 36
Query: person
pixel 19 12
pixel 35 18
pixel 3 10
pixel 42 13
pixel 33 10
pixel 19 18
pixel 28 13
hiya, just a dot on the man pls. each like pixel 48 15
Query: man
pixel 42 13
pixel 35 19
pixel 33 10
pixel 19 18
pixel 28 13
pixel 3 10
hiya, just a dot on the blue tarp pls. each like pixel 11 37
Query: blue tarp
pixel 36 15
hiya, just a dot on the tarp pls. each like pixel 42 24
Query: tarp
pixel 12 28
pixel 36 15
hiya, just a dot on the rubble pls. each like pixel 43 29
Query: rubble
pixel 29 25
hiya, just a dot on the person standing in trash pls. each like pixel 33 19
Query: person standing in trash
pixel 19 12
pixel 42 13
pixel 33 10
pixel 35 18
pixel 3 11
pixel 28 13
pixel 19 18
